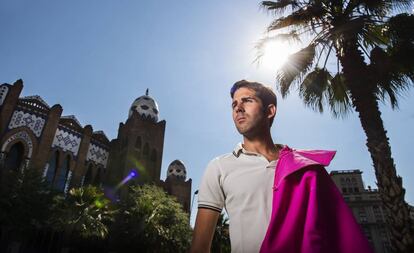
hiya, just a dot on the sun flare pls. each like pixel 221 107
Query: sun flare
pixel 276 53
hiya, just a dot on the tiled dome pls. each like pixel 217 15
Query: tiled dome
pixel 146 106
pixel 177 170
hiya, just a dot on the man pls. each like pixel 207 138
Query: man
pixel 278 199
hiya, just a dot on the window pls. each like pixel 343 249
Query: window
pixel 138 143
pixel 98 177
pixel 146 149
pixel 14 158
pixel 53 164
pixel 88 176
pixel 154 156
pixel 63 174
pixel 377 213
pixel 367 233
pixel 362 214
pixel 354 182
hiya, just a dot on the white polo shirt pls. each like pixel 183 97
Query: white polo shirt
pixel 242 183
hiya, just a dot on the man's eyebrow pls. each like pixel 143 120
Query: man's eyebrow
pixel 248 97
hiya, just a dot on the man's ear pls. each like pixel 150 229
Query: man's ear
pixel 271 111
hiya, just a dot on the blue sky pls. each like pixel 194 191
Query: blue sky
pixel 95 57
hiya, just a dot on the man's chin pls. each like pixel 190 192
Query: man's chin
pixel 242 130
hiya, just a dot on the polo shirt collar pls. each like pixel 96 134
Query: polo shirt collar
pixel 238 149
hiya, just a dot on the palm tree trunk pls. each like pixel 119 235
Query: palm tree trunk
pixel 389 183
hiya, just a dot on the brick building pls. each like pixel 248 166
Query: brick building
pixel 34 135
pixel 366 205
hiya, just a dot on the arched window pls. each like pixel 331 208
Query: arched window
pixel 146 149
pixel 53 164
pixel 14 158
pixel 98 177
pixel 63 174
pixel 138 143
pixel 153 156
pixel 138 146
pixel 88 176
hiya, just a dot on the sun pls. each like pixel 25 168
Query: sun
pixel 276 53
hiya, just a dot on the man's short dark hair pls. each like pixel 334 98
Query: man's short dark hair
pixel 264 93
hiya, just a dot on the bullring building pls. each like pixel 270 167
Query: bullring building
pixel 34 135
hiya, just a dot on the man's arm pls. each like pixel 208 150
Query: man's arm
pixel 205 225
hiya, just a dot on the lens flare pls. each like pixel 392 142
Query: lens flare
pixel 98 203
pixel 143 173
pixel 133 173
pixel 138 170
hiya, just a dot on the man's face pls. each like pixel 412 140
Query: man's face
pixel 248 115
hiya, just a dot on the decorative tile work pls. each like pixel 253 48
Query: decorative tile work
pixel 97 154
pixel 4 89
pixel 66 141
pixel 22 135
pixel 31 121
pixel 25 164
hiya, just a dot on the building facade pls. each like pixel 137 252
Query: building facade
pixel 367 207
pixel 34 135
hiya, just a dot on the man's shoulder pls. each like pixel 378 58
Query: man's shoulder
pixel 222 158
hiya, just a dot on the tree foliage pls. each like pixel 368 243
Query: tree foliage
pixel 24 200
pixel 151 221
pixel 221 238
pixel 84 212
pixel 329 27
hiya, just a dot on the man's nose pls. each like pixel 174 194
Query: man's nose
pixel 239 108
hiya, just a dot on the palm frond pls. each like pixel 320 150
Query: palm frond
pixel 339 99
pixel 375 7
pixel 402 5
pixel 296 66
pixel 391 81
pixel 401 47
pixel 300 18
pixel 280 6
pixel 350 28
pixel 313 89
pixel 372 35
pixel 291 36
pixel 391 90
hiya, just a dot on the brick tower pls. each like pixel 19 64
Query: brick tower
pixel 139 144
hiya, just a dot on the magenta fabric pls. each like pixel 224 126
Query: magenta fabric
pixel 309 214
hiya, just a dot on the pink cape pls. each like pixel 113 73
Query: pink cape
pixel 309 214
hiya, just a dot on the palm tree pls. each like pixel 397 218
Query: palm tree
pixel 371 53
pixel 84 213
pixel 221 239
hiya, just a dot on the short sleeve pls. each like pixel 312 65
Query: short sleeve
pixel 210 194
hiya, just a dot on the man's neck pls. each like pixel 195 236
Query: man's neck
pixel 262 145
